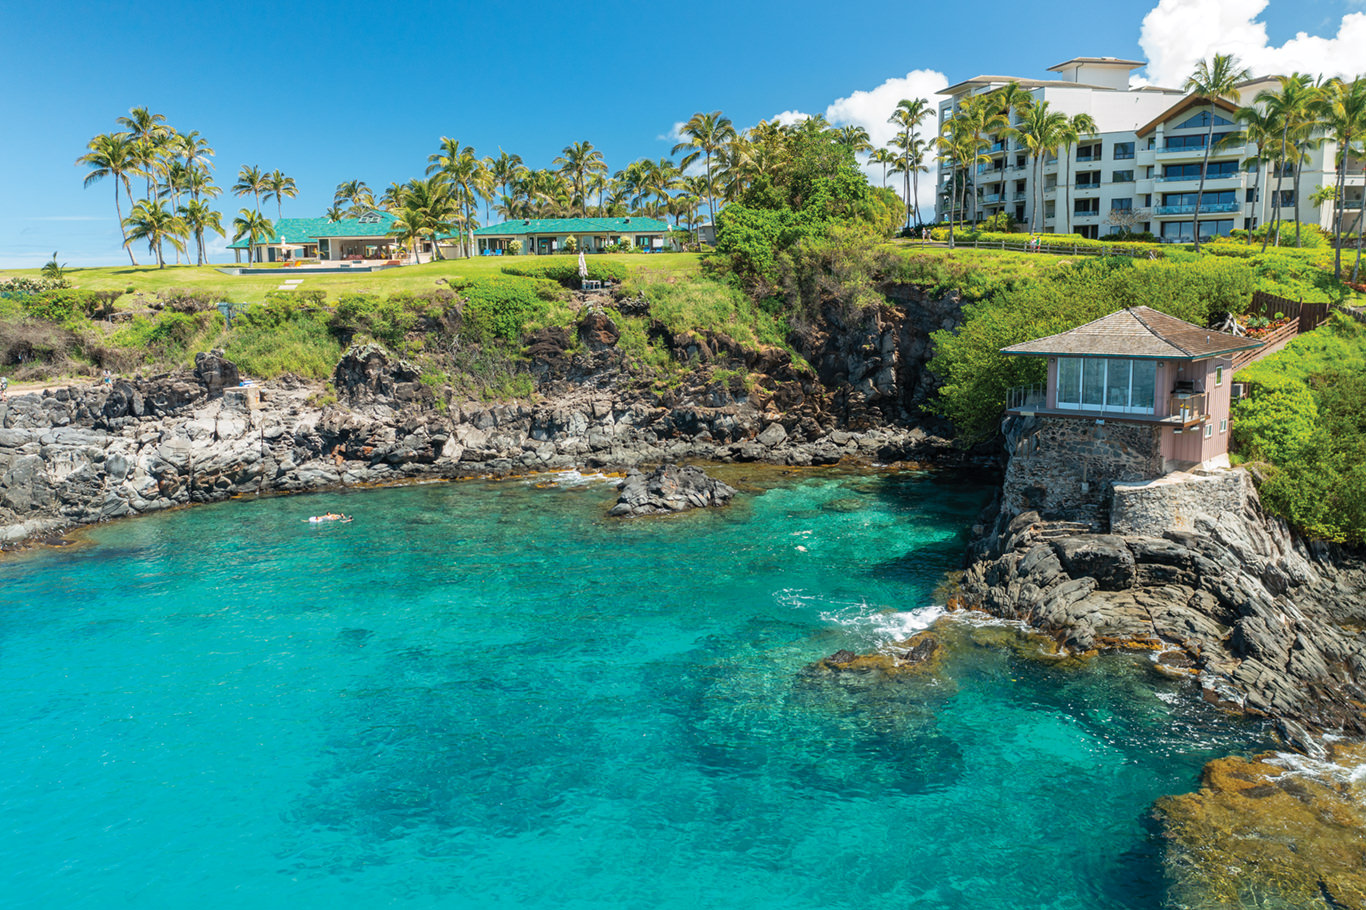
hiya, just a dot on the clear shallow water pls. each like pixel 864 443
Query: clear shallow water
pixel 488 695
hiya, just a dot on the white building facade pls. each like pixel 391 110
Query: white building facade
pixel 1143 161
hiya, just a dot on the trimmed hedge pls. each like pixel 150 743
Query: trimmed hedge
pixel 566 270
pixel 1062 242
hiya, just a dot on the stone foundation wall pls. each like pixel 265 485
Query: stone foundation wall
pixel 1063 467
pixel 1177 502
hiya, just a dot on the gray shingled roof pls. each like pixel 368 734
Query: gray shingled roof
pixel 1136 332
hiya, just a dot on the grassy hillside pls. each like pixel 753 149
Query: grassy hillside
pixel 414 278
pixel 1304 430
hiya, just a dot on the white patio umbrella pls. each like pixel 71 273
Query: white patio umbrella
pixel 583 266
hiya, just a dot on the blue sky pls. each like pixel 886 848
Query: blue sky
pixel 335 91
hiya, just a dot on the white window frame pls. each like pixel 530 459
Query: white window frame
pixel 1090 363
pixel 1223 425
pixel 1209 431
pixel 1219 375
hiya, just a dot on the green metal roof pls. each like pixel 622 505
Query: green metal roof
pixel 300 230
pixel 632 225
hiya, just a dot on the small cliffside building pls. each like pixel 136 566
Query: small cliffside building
pixel 1131 396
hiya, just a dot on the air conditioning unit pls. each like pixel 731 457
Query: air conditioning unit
pixel 1238 390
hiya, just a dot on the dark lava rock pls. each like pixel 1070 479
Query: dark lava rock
pixel 1103 557
pixel 216 372
pixel 924 649
pixel 668 489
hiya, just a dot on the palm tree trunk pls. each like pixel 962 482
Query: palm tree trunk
pixel 915 193
pixel 1337 208
pixel 1204 168
pixel 1276 200
pixel 1256 192
pixel 1299 167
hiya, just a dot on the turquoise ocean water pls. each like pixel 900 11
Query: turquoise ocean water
pixel 489 695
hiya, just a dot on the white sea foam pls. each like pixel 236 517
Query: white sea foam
pixel 1304 766
pixel 569 478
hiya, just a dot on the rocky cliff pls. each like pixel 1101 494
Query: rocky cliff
pixel 1215 587
pixel 90 453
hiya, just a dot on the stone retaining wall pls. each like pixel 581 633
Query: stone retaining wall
pixel 1064 467
pixel 1177 502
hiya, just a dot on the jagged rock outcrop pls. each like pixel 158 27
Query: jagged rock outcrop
pixel 89 453
pixel 669 489
pixel 1269 624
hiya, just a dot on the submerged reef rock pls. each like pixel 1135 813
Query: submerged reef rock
pixel 919 654
pixel 1270 832
pixel 669 489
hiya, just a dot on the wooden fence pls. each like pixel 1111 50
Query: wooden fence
pixel 1303 317
pixel 1309 315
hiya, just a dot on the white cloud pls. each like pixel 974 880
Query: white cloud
pixel 674 135
pixel 787 118
pixel 1177 34
pixel 871 109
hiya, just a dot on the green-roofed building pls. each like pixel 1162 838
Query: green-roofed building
pixel 362 239
pixel 541 236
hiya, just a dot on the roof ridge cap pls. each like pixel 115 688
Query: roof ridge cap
pixel 1156 334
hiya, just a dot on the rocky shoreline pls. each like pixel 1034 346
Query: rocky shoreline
pixel 1222 592
pixel 88 454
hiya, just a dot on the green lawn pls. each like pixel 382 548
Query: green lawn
pixel 253 288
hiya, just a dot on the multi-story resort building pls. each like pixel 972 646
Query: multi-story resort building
pixel 1143 160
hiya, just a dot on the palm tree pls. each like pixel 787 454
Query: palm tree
pixel 980 117
pixel 147 130
pixel 196 153
pixel 576 162
pixel 1292 110
pixel 854 138
pixel 425 209
pixel 1078 127
pixel 198 218
pixel 1212 81
pixel 883 157
pixel 112 155
pixel 1040 132
pixel 908 115
pixel 1258 130
pixel 465 181
pixel 355 192
pixel 703 136
pixel 278 187
pixel 153 222
pixel 255 227
pixel 335 213
pixel 200 184
pixel 250 179
pixel 505 170
pixel 1344 118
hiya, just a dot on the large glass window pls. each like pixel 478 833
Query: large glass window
pixel 1106 384
pixel 1069 382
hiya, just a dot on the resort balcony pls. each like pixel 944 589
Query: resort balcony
pixel 1015 168
pixel 1020 197
pixel 991 198
pixel 1096 157
pixel 1212 208
pixel 1223 180
pixel 1351 204
pixel 1087 187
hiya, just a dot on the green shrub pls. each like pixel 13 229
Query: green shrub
pixel 303 346
pixel 385 320
pixel 1277 422
pixel 565 270
pixel 190 300
pixel 498 308
pixel 18 287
